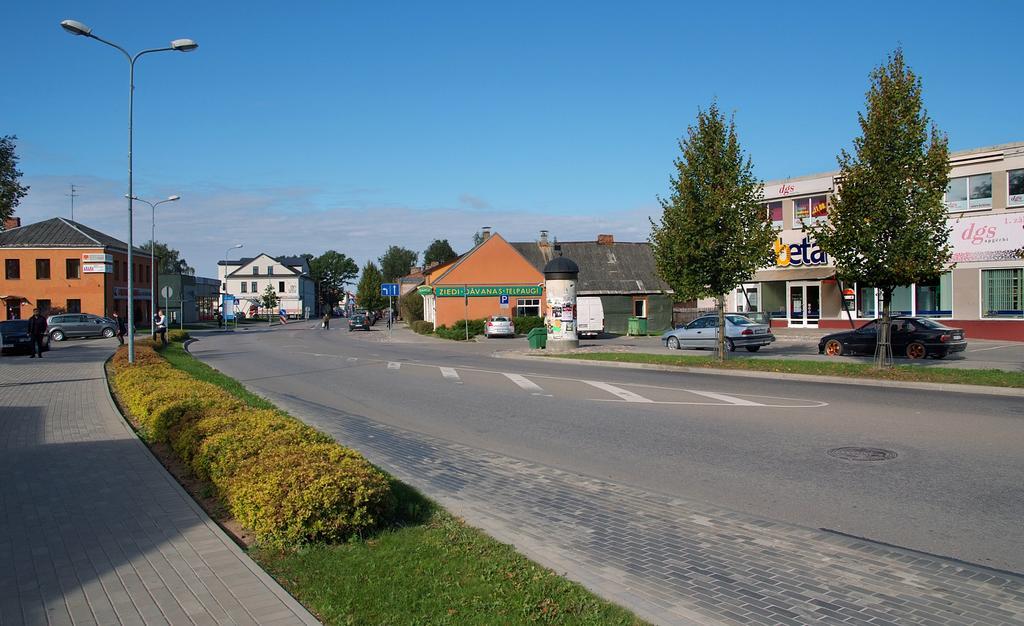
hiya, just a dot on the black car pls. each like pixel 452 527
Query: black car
pixel 358 321
pixel 14 337
pixel 912 337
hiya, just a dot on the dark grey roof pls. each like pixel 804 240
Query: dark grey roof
pixel 59 232
pixel 604 269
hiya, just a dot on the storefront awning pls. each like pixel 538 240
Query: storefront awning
pixel 799 273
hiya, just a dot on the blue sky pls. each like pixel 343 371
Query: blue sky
pixel 298 127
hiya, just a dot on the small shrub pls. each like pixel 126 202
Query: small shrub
pixel 457 330
pixel 177 335
pixel 526 324
pixel 421 327
pixel 410 306
pixel 144 355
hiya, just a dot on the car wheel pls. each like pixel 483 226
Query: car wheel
pixel 916 350
pixel 108 332
pixel 673 343
pixel 729 345
pixel 834 347
pixel 753 348
pixel 57 335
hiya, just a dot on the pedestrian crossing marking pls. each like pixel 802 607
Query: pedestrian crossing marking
pixel 525 383
pixel 724 398
pixel 450 374
pixel 394 365
pixel 621 393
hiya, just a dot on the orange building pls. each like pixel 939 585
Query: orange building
pixel 491 279
pixel 58 264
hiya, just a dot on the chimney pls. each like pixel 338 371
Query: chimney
pixel 485 232
pixel 605 240
pixel 12 222
pixel 543 241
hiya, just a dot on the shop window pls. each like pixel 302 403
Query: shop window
pixel 74 305
pixel 280 286
pixel 43 306
pixel 1001 293
pixel 819 209
pixel 42 269
pixel 244 285
pixel 1015 190
pixel 867 303
pixel 935 298
pixel 969 193
pixel 801 210
pixel 72 268
pixel 12 269
pixel 901 303
pixel 773 211
pixel 529 307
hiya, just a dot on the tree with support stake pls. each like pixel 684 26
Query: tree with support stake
pixel 713 233
pixel 887 225
pixel 268 299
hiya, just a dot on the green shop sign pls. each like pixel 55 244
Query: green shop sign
pixel 486 291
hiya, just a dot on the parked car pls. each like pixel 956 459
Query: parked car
pixel 499 326
pixel 360 321
pixel 71 325
pixel 912 337
pixel 740 332
pixel 589 316
pixel 14 337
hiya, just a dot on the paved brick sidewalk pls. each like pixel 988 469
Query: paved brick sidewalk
pixel 675 561
pixel 92 528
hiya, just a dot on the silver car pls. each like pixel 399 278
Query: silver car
pixel 740 332
pixel 499 326
pixel 70 325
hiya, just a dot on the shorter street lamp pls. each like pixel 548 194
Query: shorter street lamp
pixel 152 259
pixel 226 252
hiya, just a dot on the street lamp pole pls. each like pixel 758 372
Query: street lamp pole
pixel 180 45
pixel 152 258
pixel 226 252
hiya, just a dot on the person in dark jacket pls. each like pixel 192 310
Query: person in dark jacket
pixel 122 328
pixel 37 330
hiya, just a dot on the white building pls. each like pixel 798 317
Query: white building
pixel 247 278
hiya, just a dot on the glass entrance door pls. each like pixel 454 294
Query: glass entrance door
pixel 804 304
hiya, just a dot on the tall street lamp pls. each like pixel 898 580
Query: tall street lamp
pixel 152 258
pixel 180 45
pixel 226 252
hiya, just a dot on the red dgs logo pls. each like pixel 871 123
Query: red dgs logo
pixel 978 234
pixel 785 190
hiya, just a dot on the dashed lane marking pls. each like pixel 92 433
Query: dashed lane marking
pixel 526 384
pixel 352 359
pixel 394 365
pixel 621 393
pixel 450 374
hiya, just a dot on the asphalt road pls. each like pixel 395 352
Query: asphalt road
pixel 757 446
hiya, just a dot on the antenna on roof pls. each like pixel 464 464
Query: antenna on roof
pixel 72 195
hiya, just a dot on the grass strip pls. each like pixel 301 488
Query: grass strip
pixel 908 373
pixel 429 568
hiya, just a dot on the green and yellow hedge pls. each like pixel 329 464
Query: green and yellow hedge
pixel 285 481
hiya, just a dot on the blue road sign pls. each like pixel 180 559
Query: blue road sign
pixel 503 298
pixel 389 289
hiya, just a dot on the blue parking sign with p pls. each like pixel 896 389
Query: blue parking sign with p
pixel 503 298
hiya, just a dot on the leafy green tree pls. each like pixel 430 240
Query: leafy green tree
pixel 11 190
pixel 169 260
pixel 439 251
pixel 268 300
pixel 368 292
pixel 331 271
pixel 396 262
pixel 713 234
pixel 887 225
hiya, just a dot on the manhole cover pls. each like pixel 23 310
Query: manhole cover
pixel 862 454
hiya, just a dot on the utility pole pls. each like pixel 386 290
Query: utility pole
pixel 72 195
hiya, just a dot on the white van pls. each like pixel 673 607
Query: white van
pixel 589 316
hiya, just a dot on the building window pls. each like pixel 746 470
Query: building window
pixel 774 212
pixel 255 271
pixel 270 270
pixel 12 269
pixel 1015 191
pixel 1001 293
pixel 280 286
pixel 74 306
pixel 819 208
pixel 43 306
pixel 527 307
pixel 935 298
pixel 639 308
pixel 254 288
pixel 810 210
pixel 42 269
pixel 244 285
pixel 72 268
pixel 969 193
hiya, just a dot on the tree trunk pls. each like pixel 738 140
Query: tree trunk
pixel 883 349
pixel 721 328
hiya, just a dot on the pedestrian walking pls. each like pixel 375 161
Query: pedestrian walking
pixel 161 326
pixel 220 320
pixel 327 320
pixel 37 330
pixel 122 328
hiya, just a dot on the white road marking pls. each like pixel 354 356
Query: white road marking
pixel 628 396
pixel 450 374
pixel 393 365
pixel 991 348
pixel 352 359
pixel 724 398
pixel 526 383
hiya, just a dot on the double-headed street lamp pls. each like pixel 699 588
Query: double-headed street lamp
pixel 152 259
pixel 180 45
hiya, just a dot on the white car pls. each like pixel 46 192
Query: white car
pixel 499 326
pixel 740 332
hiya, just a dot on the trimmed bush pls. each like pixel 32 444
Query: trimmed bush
pixel 421 327
pixel 285 481
pixel 309 492
pixel 410 306
pixel 178 335
pixel 457 330
pixel 525 324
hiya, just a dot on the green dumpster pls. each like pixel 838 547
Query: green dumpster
pixel 538 338
pixel 637 326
